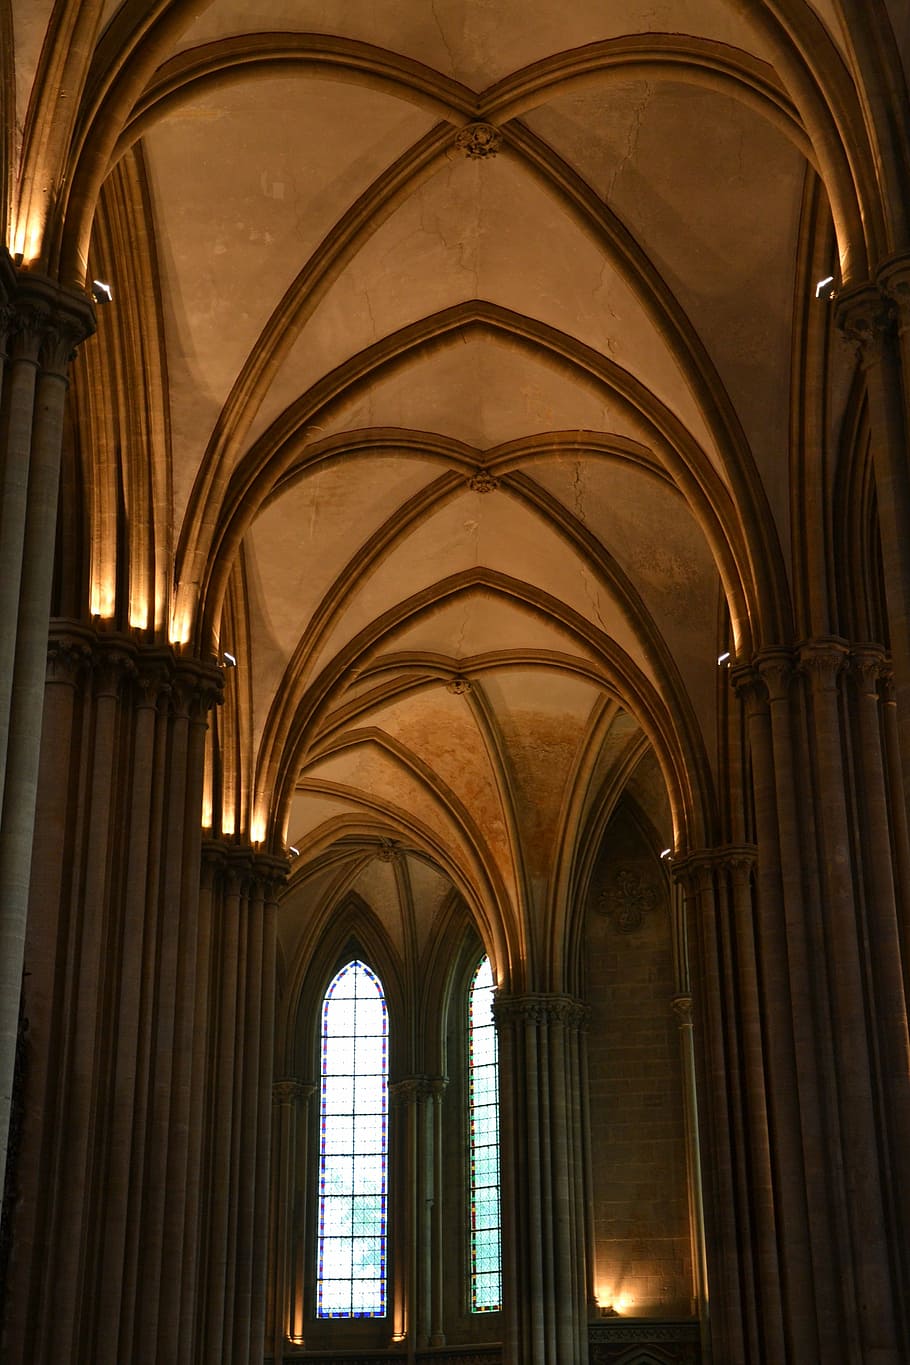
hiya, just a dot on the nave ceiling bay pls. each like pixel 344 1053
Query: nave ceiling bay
pixel 475 328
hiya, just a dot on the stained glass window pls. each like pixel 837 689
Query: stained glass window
pixel 353 1147
pixel 483 1144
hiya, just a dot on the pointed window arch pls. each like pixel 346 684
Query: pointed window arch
pixel 353 1147
pixel 483 1144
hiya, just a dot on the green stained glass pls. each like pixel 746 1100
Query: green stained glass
pixel 483 1144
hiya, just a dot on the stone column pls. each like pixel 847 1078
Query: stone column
pixel 238 1116
pixel 434 1195
pixel 418 1132
pixel 877 323
pixel 880 927
pixel 545 1283
pixel 41 324
pixel 291 1100
pixel 682 1010
pixel 801 1037
pixel 107 1229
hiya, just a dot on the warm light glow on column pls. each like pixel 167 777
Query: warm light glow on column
pixel 207 783
pixel 103 595
pixel 179 631
pixel 139 612
pixel 257 828
pixel 27 239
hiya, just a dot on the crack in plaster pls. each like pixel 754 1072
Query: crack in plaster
pixel 445 42
pixel 632 138
pixel 578 491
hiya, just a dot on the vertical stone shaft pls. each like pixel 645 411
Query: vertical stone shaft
pixel 437 1215
pixel 47 322
pixel 864 1202
pixel 46 946
pixel 884 945
pixel 264 1109
pixel 110 1199
pixel 114 1284
pixel 413 1098
pixel 291 1102
pixel 728 1327
pixel 225 970
pixel 867 318
pixel 788 944
pixel 544 1251
pixel 748 1012
pixel 245 1192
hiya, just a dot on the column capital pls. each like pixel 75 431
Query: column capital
pixel 703 863
pixel 824 659
pixel 540 1008
pixel 749 685
pixel 681 1005
pixel 894 282
pixel 69 655
pixel 866 318
pixel 45 321
pixel 411 1089
pixel 868 665
pixel 243 865
pixel 290 1091
pixel 775 666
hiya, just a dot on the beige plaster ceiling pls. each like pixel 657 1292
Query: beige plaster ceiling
pixel 468 458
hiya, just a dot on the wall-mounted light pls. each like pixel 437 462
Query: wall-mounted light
pixel 722 658
pixel 825 288
pixel 227 660
pixel 294 852
pixel 665 853
pixel 102 292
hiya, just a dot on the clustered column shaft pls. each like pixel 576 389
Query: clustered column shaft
pixel 544 1265
pixel 799 989
pixel 150 1004
pixel 40 324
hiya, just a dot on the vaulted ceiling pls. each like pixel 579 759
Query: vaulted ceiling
pixel 467 332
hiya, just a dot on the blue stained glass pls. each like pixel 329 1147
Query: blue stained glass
pixel 483 1144
pixel 353 1151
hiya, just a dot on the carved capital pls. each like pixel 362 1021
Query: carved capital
pixel 113 666
pixel 479 140
pixel 866 318
pixel 541 1009
pixel 69 659
pixel 776 669
pixel 894 281
pixel 868 665
pixel 749 686
pixel 823 660
pixel 681 1005
pixel 46 323
pixel 411 1089
pixel 290 1091
pixel 196 689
